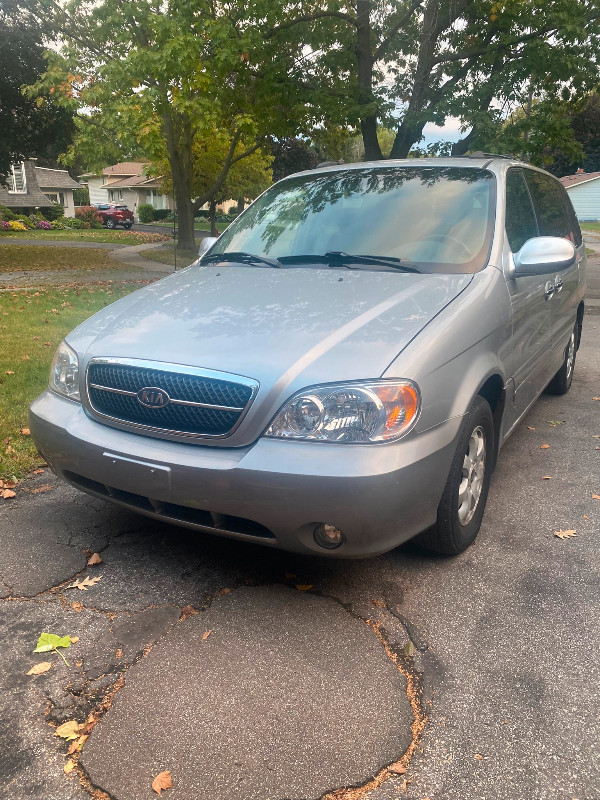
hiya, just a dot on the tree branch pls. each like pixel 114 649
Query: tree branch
pixel 487 48
pixel 382 46
pixel 310 18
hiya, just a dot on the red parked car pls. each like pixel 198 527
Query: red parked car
pixel 114 214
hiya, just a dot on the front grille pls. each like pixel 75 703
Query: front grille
pixel 200 404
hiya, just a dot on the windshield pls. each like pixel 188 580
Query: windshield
pixel 437 218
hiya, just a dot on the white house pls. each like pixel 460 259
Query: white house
pixel 584 190
pixel 126 183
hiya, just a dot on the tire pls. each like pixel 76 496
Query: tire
pixel 110 223
pixel 127 225
pixel 458 522
pixel 561 382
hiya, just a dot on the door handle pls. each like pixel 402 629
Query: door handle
pixel 549 289
pixel 558 283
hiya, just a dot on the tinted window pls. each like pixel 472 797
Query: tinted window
pixel 576 237
pixel 520 219
pixel 549 204
pixel 437 217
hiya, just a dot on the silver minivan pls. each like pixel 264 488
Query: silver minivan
pixel 338 372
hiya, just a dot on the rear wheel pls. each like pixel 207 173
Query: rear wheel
pixel 462 506
pixel 110 223
pixel 561 382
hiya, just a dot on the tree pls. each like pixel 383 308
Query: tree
pixel 584 123
pixel 292 155
pixel 32 125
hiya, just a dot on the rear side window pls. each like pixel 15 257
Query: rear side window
pixel 551 205
pixel 521 224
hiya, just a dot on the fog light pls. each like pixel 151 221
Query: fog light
pixel 328 536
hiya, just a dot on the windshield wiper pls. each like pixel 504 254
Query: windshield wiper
pixel 336 259
pixel 381 261
pixel 242 258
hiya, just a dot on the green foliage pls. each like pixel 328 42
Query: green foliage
pixel 75 223
pixel 58 224
pixel 55 211
pixel 292 155
pixel 50 642
pixel 162 213
pixel 81 197
pixel 145 212
pixel 27 221
pixel 7 214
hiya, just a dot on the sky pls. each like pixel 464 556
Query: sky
pixel 450 132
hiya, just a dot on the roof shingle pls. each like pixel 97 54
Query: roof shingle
pixel 579 177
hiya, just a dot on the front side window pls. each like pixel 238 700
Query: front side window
pixel 549 204
pixel 438 218
pixel 520 222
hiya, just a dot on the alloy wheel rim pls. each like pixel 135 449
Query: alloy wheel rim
pixel 473 471
pixel 570 355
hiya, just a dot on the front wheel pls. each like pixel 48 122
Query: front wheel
pixel 110 223
pixel 561 382
pixel 461 508
pixel 127 225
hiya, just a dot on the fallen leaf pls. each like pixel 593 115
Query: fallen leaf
pixel 409 650
pixel 77 606
pixel 544 447
pixel 76 745
pixel 205 635
pixel 546 477
pixel 10 372
pixel 95 558
pixel 397 768
pixel 69 767
pixel 404 786
pixel 50 641
pixel 593 398
pixel 68 730
pixel 596 497
pixel 555 422
pixel 38 471
pixel 25 432
pixel 221 592
pixel 7 484
pixel 44 488
pixel 74 639
pixel 119 653
pixel 304 587
pixel 585 516
pixel 9 450
pixel 478 756
pixel 529 428
pixel 565 534
pixel 186 612
pixel 85 583
pixel 162 781
pixel 6 494
pixel 40 668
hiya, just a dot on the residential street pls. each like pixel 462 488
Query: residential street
pixel 252 674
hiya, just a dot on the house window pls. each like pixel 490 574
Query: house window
pixel 56 197
pixel 17 182
pixel 115 194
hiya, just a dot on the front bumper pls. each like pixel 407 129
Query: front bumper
pixel 274 492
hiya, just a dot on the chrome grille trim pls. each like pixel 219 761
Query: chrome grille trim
pixel 174 370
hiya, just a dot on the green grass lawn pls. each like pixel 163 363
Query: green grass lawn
pixel 32 324
pixel 14 258
pixel 166 255
pixel 101 236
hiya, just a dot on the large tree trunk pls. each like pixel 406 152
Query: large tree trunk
pixel 364 60
pixel 212 214
pixel 178 137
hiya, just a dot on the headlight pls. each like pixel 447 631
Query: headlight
pixel 64 373
pixel 373 411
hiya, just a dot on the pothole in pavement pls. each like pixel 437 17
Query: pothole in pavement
pixel 289 696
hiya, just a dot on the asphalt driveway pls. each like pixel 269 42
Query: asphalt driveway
pixel 249 673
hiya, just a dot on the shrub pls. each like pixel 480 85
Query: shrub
pixel 145 212
pixel 43 225
pixel 4 225
pixel 202 214
pixel 95 224
pixel 233 211
pixel 29 223
pixel 55 211
pixel 81 197
pixel 162 213
pixel 58 224
pixel 16 225
pixel 75 223
pixel 87 214
pixel 6 214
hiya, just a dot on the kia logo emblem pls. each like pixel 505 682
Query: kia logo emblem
pixel 152 397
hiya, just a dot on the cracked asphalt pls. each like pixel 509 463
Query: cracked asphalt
pixel 479 673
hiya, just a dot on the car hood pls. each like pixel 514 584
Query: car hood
pixel 286 328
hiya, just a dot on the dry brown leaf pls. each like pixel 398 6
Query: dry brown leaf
pixel 304 587
pixel 221 592
pixel 68 730
pixel 162 781
pixel 565 534
pixel 85 583
pixel 77 606
pixel 529 428
pixel 38 471
pixel 546 477
pixel 205 635
pixel 544 447
pixel 593 398
pixel 69 767
pixel 186 612
pixel 6 494
pixel 7 484
pixel 398 768
pixel 25 432
pixel 478 756
pixel 74 639
pixel 43 488
pixel 119 653
pixel 404 786
pixel 585 516
pixel 596 436
pixel 40 668
pixel 596 497
pixel 95 558
pixel 77 745
pixel 9 372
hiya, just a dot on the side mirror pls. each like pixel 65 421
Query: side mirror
pixel 544 254
pixel 206 244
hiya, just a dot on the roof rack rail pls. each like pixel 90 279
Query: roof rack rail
pixel 480 154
